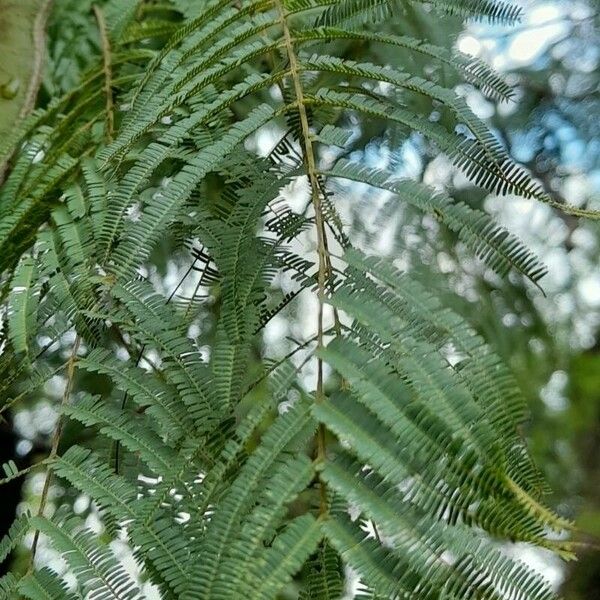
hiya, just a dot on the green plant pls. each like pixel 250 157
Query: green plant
pixel 250 468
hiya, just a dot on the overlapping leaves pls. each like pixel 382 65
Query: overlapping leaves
pixel 246 494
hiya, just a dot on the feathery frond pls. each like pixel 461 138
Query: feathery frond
pixel 240 460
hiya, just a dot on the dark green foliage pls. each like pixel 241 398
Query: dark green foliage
pixel 250 470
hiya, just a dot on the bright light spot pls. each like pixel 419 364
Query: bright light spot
pixel 553 393
pixel 529 44
pixel 469 45
pixel 542 14
pixel 589 290
pixel 81 504
pixel 24 447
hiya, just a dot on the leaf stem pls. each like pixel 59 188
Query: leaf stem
pixel 107 68
pixel 311 170
pixel 55 442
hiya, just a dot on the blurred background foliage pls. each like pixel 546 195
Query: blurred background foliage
pixel 550 337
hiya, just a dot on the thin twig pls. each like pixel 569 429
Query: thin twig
pixel 39 48
pixel 55 442
pixel 298 348
pixel 107 68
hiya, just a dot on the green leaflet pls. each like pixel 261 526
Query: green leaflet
pixel 141 235
pixel 157 542
pixel 485 166
pixel 119 425
pixel 94 565
pixel 8 586
pixel 472 69
pixel 44 585
pixel 291 549
pixel 119 14
pixel 378 10
pixel 147 391
pixel 23 303
pixel 291 429
pixel 325 577
pixel 500 250
pixel 15 534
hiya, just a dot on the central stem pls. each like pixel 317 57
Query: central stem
pixel 311 171
pixel 55 443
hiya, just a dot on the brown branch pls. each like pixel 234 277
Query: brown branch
pixel 37 71
pixel 39 45
pixel 55 443
pixel 107 68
